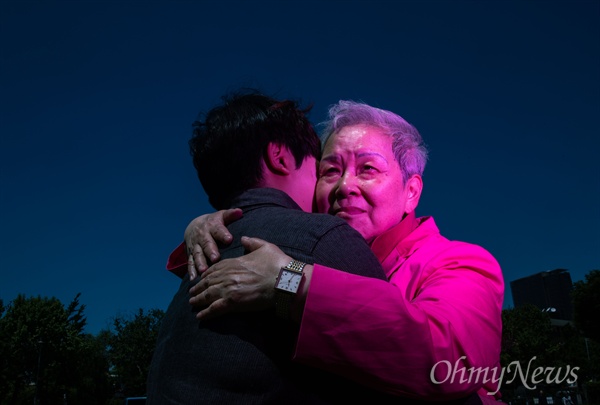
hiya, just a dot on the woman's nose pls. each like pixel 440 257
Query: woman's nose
pixel 347 184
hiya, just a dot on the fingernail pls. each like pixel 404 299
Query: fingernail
pixel 213 257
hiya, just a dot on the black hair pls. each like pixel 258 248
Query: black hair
pixel 230 141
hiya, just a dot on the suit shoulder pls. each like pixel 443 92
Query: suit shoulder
pixel 297 218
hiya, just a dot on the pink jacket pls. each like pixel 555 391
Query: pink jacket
pixel 439 314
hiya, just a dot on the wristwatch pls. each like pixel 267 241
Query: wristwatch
pixel 286 287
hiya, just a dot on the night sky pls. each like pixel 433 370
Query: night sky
pixel 98 97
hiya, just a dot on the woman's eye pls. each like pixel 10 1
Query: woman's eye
pixel 369 169
pixel 329 171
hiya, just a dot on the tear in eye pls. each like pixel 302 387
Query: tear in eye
pixel 329 171
pixel 369 169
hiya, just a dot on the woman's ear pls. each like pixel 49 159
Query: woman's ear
pixel 413 189
pixel 279 159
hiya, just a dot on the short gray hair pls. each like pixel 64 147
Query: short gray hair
pixel 407 143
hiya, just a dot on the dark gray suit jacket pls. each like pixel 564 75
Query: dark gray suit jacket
pixel 246 358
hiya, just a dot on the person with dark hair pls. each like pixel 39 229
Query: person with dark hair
pixel 433 332
pixel 260 155
pixel 228 147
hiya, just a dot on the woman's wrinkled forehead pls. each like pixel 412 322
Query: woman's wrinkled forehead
pixel 358 139
pixel 327 138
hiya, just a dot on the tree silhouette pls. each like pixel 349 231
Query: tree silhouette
pixel 131 349
pixel 45 355
pixel 586 305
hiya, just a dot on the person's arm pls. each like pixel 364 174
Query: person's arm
pixel 389 336
pixel 176 263
pixel 200 242
pixel 392 335
pixel 247 282
pixel 444 303
pixel 203 233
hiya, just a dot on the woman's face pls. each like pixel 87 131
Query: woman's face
pixel 360 181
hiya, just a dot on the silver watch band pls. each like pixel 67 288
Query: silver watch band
pixel 295 265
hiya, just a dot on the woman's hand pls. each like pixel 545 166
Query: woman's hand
pixel 201 237
pixel 243 284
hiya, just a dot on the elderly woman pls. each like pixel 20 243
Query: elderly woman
pixel 432 332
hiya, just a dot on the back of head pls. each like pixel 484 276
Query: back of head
pixel 229 142
pixel 407 144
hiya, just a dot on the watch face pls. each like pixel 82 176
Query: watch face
pixel 289 280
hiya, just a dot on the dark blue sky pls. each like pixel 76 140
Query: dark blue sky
pixel 97 100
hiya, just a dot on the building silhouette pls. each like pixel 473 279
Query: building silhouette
pixel 550 291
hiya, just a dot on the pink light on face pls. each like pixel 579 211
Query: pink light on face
pixel 361 181
pixel 304 179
